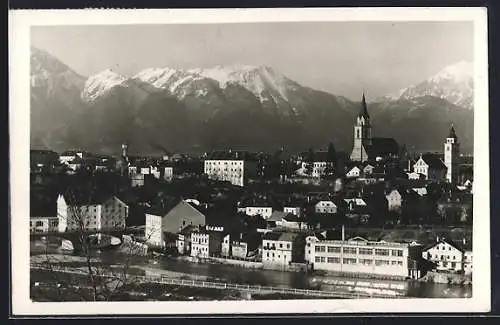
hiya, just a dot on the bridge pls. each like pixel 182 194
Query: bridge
pixel 249 289
pixel 74 236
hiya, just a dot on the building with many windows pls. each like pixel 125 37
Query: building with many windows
pixel 279 249
pixel 205 243
pixel 91 212
pixel 233 167
pixel 449 256
pixel 358 255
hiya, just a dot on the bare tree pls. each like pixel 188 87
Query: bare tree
pixel 104 282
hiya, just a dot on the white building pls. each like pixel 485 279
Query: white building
pixel 153 230
pixel 354 172
pixel 394 200
pixel 92 213
pixel 263 211
pixel 205 243
pixel 295 210
pixel 227 166
pixel 362 256
pixel 451 156
pixel 325 207
pixel 278 249
pixel 431 167
pixel 44 224
pixel 447 256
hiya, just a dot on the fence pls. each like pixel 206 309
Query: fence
pixel 230 286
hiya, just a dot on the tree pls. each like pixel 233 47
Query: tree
pixel 95 281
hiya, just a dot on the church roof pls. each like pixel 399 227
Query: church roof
pixel 383 147
pixel 363 111
pixel 433 160
pixel 452 133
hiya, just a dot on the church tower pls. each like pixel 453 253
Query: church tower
pixel 362 134
pixel 451 155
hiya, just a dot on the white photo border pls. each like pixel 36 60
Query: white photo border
pixel 20 22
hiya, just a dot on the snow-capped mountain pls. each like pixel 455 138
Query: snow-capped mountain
pixel 237 106
pixel 49 75
pixel 100 84
pixel 454 83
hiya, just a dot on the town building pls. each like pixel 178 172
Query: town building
pixel 94 211
pixel 431 167
pixel 183 241
pixel 153 230
pixel 263 211
pixel 39 224
pixel 354 172
pixel 361 256
pixel 449 256
pixel 279 249
pixel 205 243
pixel 325 206
pixel 233 167
pixel 181 215
pixel 365 146
pixel 452 156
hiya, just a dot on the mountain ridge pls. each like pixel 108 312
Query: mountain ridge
pixel 237 106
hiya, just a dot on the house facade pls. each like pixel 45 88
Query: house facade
pixel 39 224
pixel 362 256
pixel 205 243
pixel 233 167
pixel 295 210
pixel 431 167
pixel 446 255
pixel 182 215
pixel 325 207
pixel 264 211
pixel 92 214
pixel 279 249
pixel 394 200
pixel 153 230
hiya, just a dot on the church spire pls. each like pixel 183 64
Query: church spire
pixel 452 133
pixel 363 111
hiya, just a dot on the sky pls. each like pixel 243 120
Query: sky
pixel 343 58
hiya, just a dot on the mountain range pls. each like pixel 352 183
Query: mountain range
pixel 237 106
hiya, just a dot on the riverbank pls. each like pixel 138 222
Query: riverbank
pixel 447 278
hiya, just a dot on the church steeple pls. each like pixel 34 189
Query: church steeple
pixel 452 134
pixel 363 112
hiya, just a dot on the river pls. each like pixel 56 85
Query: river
pixel 228 273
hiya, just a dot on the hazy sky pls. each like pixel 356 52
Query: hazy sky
pixel 339 57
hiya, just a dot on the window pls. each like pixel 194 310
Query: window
pixel 453 264
pixel 39 223
pixel 333 249
pixel 366 251
pixel 288 246
pixel 349 250
pixel 317 259
pixel 281 245
pixel 397 252
pixel 319 248
pixel 365 261
pixel 381 262
pixel 382 252
pixel 322 259
pixel 333 260
pixel 349 261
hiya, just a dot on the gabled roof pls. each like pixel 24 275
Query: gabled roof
pixel 433 161
pixel 445 241
pixel 292 218
pixel 82 197
pixel 277 216
pixel 383 147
